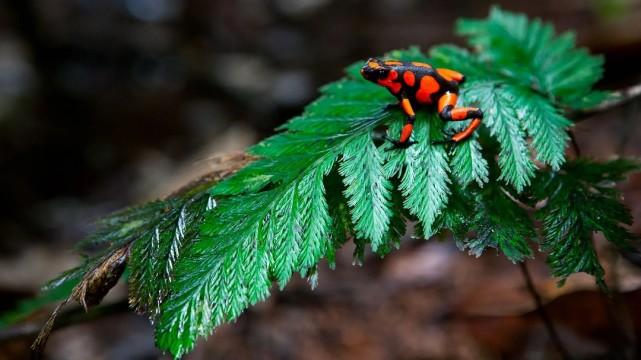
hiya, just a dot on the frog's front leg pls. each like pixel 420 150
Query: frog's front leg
pixel 404 139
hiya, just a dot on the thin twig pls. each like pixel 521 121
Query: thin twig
pixel 554 336
pixel 67 318
pixel 575 144
pixel 617 313
pixel 623 337
pixel 621 97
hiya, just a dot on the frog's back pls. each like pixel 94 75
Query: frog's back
pixel 420 82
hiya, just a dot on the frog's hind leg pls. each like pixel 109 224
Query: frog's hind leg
pixel 449 112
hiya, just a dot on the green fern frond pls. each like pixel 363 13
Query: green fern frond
pixel 512 112
pixel 583 202
pixel 468 164
pixel 278 223
pixel 544 124
pixel 154 257
pixel 367 189
pixel 515 158
pixel 501 224
pixel 528 51
pixel 426 168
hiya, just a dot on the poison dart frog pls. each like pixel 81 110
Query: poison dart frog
pixel 417 84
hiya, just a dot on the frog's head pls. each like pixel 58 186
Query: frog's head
pixel 375 69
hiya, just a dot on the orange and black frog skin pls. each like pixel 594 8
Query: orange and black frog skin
pixel 417 84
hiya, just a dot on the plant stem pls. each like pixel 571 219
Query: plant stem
pixel 623 96
pixel 66 318
pixel 575 144
pixel 554 336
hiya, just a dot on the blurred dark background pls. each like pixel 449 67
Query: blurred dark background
pixel 108 103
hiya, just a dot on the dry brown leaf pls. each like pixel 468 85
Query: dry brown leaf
pixel 89 292
pixel 223 167
pixel 96 284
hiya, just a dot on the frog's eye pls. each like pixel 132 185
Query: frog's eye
pixel 373 64
pixel 382 72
